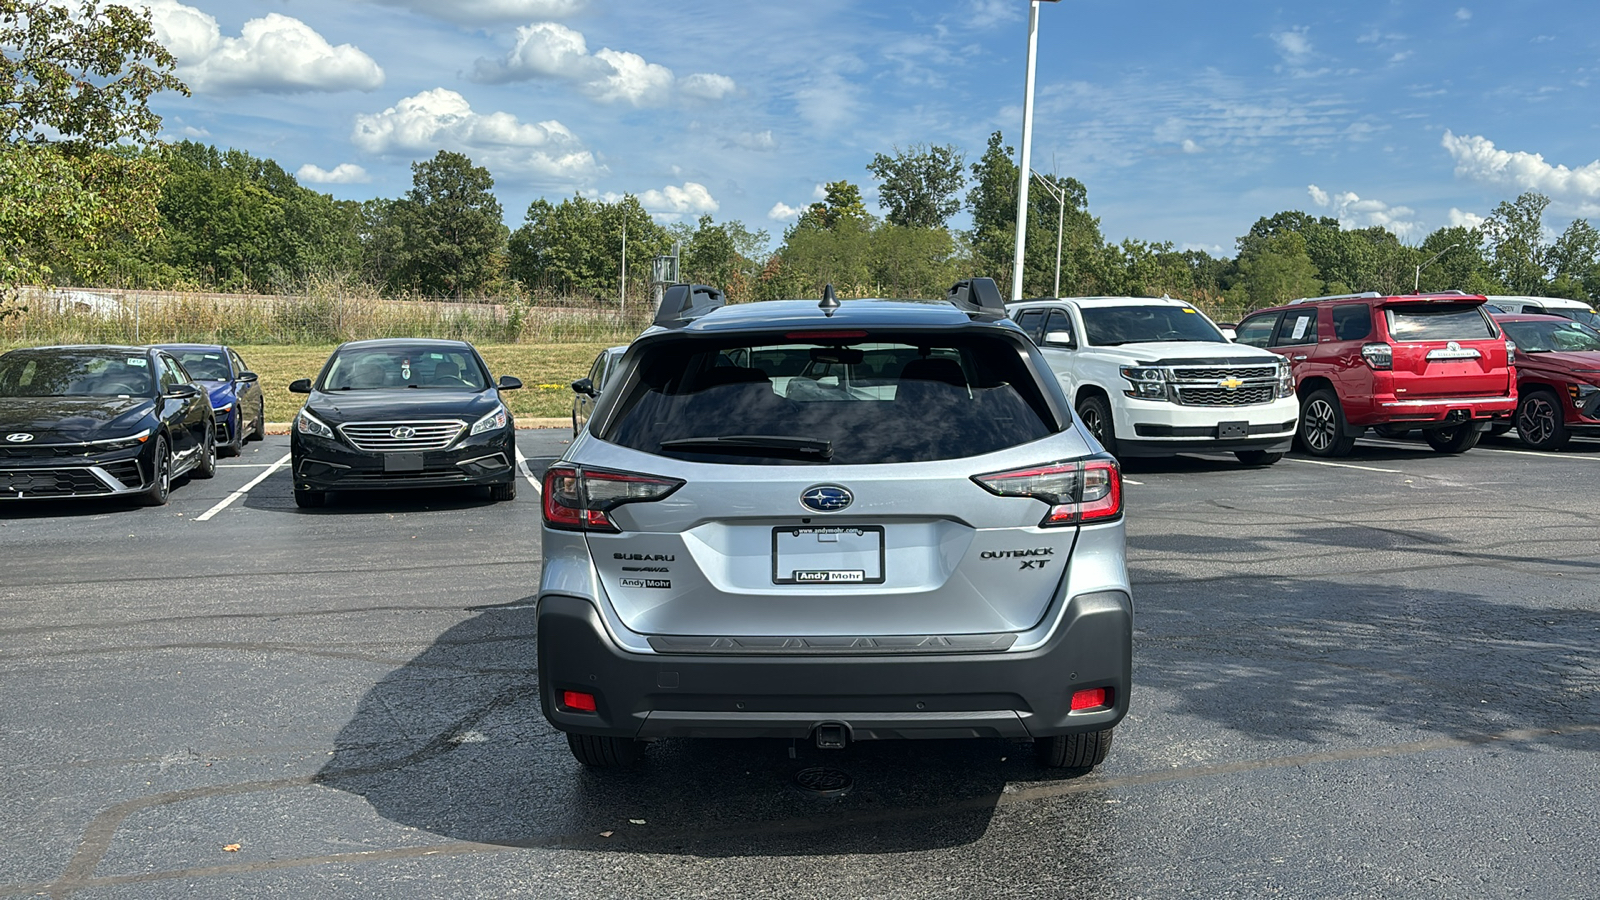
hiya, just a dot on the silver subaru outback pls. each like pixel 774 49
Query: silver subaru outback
pixel 834 521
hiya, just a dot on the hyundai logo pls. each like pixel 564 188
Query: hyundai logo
pixel 826 498
pixel 403 433
pixel 20 437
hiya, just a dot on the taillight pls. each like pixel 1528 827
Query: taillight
pixel 578 499
pixel 1078 492
pixel 1378 356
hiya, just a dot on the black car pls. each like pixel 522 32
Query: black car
pixel 237 401
pixel 403 413
pixel 100 421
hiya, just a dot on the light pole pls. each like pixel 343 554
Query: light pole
pixel 1416 278
pixel 1061 218
pixel 1027 147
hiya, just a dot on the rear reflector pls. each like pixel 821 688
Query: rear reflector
pixel 581 702
pixel 1093 698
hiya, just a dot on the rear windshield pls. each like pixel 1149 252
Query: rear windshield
pixel 1439 322
pixel 866 400
pixel 1108 326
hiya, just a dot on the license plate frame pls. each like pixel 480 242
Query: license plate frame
pixel 402 462
pixel 801 555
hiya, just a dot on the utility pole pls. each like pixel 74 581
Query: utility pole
pixel 1027 147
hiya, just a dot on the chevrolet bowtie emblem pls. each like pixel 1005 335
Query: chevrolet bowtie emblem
pixel 1231 384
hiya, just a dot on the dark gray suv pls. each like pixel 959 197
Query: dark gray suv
pixel 834 521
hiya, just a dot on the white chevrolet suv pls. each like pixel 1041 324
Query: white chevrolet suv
pixel 1155 377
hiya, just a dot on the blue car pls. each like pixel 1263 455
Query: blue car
pixel 236 397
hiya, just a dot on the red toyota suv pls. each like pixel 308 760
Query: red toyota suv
pixel 1432 361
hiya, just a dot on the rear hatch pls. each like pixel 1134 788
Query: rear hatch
pixel 820 492
pixel 1446 349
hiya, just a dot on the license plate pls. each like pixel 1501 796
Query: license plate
pixel 402 462
pixel 827 554
pixel 1233 429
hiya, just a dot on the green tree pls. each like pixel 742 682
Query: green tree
pixel 72 85
pixel 920 184
pixel 1574 261
pixel 992 201
pixel 1461 264
pixel 842 204
pixel 576 246
pixel 1514 234
pixel 1275 270
pixel 726 255
pixel 451 237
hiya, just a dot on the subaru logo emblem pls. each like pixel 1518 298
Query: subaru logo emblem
pixel 826 498
pixel 19 437
pixel 403 433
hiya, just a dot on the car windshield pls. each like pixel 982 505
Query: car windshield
pixel 875 399
pixel 1543 337
pixel 1439 322
pixel 1587 316
pixel 204 365
pixel 391 367
pixel 74 373
pixel 1107 326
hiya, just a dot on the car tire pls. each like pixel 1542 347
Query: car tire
pixel 1257 457
pixel 1084 750
pixel 310 499
pixel 1095 413
pixel 506 490
pixel 1456 439
pixel 259 432
pixel 207 467
pixel 1394 432
pixel 161 476
pixel 1540 424
pixel 1322 427
pixel 599 752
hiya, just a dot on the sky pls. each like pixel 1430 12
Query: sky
pixel 1185 121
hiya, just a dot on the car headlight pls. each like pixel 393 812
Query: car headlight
pixel 1285 379
pixel 223 408
pixel 497 418
pixel 123 443
pixel 1149 383
pixel 306 423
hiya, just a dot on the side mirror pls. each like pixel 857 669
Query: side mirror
pixel 585 387
pixel 184 391
pixel 509 383
pixel 300 386
pixel 247 376
pixel 1060 339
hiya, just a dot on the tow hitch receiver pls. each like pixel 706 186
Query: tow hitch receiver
pixel 831 736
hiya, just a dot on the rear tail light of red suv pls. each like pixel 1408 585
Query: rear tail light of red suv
pixel 1379 357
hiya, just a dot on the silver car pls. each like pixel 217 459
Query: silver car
pixel 834 521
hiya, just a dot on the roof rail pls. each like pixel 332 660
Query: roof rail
pixel 1364 295
pixel 683 303
pixel 977 297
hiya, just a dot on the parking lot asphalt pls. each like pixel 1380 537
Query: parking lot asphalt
pixel 1366 677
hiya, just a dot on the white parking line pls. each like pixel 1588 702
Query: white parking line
pixel 1131 481
pixel 522 464
pixel 245 465
pixel 1482 449
pixel 1315 462
pixel 228 500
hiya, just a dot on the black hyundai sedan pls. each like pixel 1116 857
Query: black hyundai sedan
pixel 98 421
pixel 403 413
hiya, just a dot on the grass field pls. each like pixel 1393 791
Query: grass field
pixel 546 370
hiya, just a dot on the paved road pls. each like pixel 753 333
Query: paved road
pixel 1370 679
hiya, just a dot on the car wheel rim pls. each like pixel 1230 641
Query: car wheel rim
pixel 1537 421
pixel 1093 422
pixel 1319 425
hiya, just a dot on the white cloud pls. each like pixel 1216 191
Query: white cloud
pixel 1477 159
pixel 479 12
pixel 1463 14
pixel 759 141
pixel 1293 44
pixel 273 54
pixel 783 212
pixel 990 13
pixel 820 192
pixel 343 173
pixel 671 201
pixel 1354 212
pixel 552 50
pixel 442 118
pixel 1459 219
pixel 1190 146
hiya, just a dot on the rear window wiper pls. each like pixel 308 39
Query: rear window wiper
pixel 773 445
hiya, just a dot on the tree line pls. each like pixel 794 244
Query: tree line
pixel 91 198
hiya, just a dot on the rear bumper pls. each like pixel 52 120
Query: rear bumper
pixel 1025 694
pixel 1441 411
